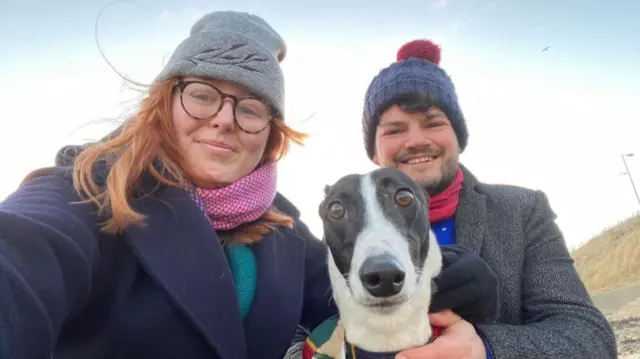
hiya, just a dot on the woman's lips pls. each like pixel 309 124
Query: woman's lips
pixel 217 146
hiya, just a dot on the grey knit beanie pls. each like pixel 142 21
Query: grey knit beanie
pixel 236 47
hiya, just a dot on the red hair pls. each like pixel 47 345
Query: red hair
pixel 147 140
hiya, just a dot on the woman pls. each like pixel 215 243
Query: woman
pixel 137 269
pixel 167 239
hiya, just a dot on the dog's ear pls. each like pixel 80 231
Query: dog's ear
pixel 324 198
pixel 327 188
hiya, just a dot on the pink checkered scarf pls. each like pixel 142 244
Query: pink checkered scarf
pixel 241 202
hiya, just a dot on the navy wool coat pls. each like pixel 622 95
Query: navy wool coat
pixel 160 291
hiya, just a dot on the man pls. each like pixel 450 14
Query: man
pixel 412 121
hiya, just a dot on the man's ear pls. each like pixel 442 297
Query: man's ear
pixel 375 160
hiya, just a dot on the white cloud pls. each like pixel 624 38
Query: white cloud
pixel 439 4
pixel 188 15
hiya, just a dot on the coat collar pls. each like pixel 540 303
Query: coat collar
pixel 182 253
pixel 471 214
pixel 281 258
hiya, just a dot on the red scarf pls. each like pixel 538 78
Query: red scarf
pixel 444 204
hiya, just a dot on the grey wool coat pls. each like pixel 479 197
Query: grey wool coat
pixel 545 310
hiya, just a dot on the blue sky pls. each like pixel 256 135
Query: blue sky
pixel 555 120
pixel 591 40
pixel 596 32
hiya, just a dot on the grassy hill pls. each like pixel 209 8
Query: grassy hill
pixel 612 259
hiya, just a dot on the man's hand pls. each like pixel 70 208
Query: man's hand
pixel 459 340
pixel 467 285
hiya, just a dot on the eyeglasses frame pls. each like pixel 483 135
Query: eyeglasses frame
pixel 182 84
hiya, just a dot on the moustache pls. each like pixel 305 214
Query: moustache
pixel 410 153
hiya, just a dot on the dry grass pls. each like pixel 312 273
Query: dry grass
pixel 612 259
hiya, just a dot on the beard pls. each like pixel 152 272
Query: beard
pixel 434 186
pixel 435 179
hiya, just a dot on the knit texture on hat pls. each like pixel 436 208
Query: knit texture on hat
pixel 236 47
pixel 417 70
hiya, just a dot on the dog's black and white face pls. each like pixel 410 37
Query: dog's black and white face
pixel 382 252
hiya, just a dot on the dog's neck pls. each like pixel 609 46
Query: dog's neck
pixel 407 327
pixel 352 351
pixel 337 347
pixel 380 346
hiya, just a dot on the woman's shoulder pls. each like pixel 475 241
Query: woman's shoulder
pixel 315 247
pixel 47 206
pixel 284 205
pixel 48 188
pixel 48 196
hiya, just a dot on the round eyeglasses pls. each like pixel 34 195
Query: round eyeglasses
pixel 203 101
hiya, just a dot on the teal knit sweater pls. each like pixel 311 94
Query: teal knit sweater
pixel 245 273
pixel 243 265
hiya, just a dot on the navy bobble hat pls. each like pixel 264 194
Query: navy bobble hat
pixel 416 70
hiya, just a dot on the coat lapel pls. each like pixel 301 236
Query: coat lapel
pixel 471 215
pixel 182 253
pixel 278 299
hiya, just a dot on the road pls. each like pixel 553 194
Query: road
pixel 622 308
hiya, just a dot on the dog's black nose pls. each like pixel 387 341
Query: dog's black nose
pixel 382 276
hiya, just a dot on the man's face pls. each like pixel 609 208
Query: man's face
pixel 421 144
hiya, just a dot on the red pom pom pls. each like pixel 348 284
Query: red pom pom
pixel 421 49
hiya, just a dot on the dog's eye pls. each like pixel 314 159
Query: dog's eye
pixel 404 198
pixel 336 210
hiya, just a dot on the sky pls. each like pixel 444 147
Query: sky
pixel 556 120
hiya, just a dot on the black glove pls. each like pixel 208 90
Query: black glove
pixel 467 286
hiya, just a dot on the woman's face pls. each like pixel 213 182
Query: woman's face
pixel 217 150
